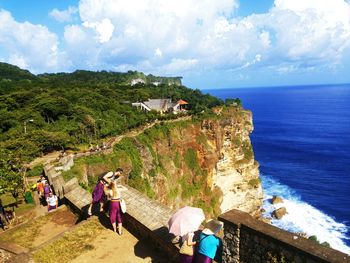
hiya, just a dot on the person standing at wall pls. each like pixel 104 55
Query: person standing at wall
pixel 98 194
pixel 210 246
pixel 115 213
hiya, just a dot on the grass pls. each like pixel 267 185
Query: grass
pixel 191 160
pixel 24 234
pixel 35 171
pixel 202 139
pixel 247 150
pixel 9 203
pixel 71 245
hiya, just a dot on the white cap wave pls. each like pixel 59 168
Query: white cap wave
pixel 303 217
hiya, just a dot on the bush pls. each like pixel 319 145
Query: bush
pixel 255 182
pixel 35 171
pixel 191 160
pixel 313 238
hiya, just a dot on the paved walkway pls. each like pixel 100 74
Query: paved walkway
pixel 54 156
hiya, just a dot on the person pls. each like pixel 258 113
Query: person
pixel 210 246
pixel 3 218
pixel 115 214
pixel 98 195
pixel 189 239
pixel 52 202
pixel 47 189
pixel 40 188
pixel 111 176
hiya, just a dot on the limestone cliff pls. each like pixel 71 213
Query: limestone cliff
pixel 206 162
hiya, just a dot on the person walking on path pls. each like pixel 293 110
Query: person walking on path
pixel 210 246
pixel 98 195
pixel 40 188
pixel 52 202
pixel 47 189
pixel 115 213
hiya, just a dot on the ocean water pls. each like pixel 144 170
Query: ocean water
pixel 301 139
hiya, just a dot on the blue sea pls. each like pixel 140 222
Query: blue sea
pixel 301 139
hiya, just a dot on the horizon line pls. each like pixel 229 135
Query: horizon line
pixel 280 86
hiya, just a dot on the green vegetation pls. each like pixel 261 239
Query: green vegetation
pixel 35 171
pixel 276 257
pixel 247 150
pixel 11 174
pixel 234 102
pixel 255 182
pixel 65 110
pixel 191 161
pixel 68 111
pixel 21 207
pixel 314 238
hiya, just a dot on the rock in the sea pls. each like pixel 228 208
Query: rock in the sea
pixel 276 199
pixel 279 213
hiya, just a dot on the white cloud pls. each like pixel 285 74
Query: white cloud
pixel 180 65
pixel 175 36
pixel 64 15
pixel 104 29
pixel 30 46
pixel 157 35
pixel 158 52
pixel 310 31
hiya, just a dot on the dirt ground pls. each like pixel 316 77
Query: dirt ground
pixel 110 247
pixel 40 230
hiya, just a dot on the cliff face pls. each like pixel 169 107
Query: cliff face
pixel 236 172
pixel 207 163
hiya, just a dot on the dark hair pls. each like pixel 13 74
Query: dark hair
pixel 119 170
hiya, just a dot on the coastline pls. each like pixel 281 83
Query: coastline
pixel 301 140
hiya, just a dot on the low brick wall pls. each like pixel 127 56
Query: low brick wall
pixel 249 240
pixel 148 219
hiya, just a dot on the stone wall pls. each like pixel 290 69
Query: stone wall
pixel 249 240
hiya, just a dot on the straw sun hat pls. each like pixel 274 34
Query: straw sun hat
pixel 212 227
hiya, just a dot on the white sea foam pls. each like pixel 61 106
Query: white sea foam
pixel 303 217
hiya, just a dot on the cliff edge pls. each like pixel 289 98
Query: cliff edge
pixel 206 162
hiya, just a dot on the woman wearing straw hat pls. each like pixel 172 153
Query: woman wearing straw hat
pixel 210 246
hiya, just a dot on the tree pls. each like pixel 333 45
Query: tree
pixel 11 179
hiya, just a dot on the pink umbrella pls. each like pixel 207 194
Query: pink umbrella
pixel 185 220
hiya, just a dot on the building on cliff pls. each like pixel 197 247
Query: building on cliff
pixel 162 105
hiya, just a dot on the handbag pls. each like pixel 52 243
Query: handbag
pixel 123 206
pixel 186 249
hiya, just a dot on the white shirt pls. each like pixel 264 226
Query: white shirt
pixel 52 200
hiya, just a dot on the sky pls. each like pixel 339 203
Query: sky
pixel 211 44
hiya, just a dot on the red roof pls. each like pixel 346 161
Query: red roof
pixel 182 102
